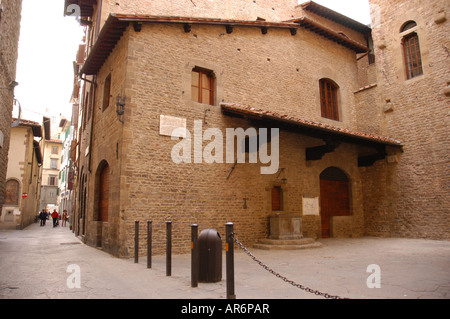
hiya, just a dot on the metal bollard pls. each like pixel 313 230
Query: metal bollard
pixel 169 249
pixel 149 244
pixel 230 260
pixel 136 241
pixel 194 255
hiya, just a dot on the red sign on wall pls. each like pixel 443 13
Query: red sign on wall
pixel 24 195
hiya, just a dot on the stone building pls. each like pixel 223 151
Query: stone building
pixel 65 197
pixel 10 14
pixel 225 73
pixel 50 171
pixel 23 176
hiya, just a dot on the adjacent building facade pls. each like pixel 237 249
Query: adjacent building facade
pixel 324 97
pixel 66 171
pixel 23 176
pixel 50 174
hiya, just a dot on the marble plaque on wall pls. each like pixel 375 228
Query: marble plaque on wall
pixel 310 205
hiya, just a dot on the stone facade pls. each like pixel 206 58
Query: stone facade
pixel 410 198
pixel 10 13
pixel 25 159
pixel 276 71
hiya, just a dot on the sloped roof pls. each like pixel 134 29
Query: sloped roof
pixel 116 25
pixel 35 126
pixel 309 126
pixel 335 16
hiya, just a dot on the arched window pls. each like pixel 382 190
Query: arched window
pixel 329 99
pixel 408 25
pixel 12 192
pixel 411 51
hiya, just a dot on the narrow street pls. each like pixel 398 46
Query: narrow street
pixel 40 262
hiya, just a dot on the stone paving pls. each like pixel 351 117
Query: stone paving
pixel 41 262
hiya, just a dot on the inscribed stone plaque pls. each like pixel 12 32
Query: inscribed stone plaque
pixel 310 205
pixel 168 123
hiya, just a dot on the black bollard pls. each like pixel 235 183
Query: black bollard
pixel 194 255
pixel 136 241
pixel 230 260
pixel 169 249
pixel 149 244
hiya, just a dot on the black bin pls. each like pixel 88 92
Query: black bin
pixel 210 256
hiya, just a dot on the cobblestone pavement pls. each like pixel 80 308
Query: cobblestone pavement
pixel 41 262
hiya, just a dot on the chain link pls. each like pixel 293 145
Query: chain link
pixel 273 272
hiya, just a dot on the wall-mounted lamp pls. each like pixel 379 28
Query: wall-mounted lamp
pixel 284 181
pixel 10 86
pixel 120 106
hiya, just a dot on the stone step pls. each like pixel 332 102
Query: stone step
pixel 287 244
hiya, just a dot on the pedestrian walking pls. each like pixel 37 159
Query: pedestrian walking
pixel 64 218
pixel 55 217
pixel 43 217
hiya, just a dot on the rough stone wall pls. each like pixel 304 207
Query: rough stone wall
pixel 410 198
pixel 106 146
pixel 160 60
pixel 9 40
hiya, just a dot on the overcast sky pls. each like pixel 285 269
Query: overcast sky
pixel 48 44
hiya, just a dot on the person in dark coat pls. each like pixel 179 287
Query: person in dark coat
pixel 43 217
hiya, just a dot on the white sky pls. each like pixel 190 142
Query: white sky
pixel 48 44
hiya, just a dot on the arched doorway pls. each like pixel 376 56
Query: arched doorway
pixel 334 197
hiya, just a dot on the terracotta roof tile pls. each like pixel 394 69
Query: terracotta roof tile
pixel 250 111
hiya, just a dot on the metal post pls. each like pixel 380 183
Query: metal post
pixel 194 255
pixel 136 241
pixel 230 261
pixel 169 249
pixel 149 244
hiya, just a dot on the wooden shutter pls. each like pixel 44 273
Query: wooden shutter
pixel 276 198
pixel 328 100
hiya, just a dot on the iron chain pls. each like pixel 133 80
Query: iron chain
pixel 273 272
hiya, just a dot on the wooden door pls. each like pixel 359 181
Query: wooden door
pixel 334 200
pixel 103 200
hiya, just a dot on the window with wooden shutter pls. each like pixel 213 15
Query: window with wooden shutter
pixel 276 198
pixel 202 86
pixel 329 99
